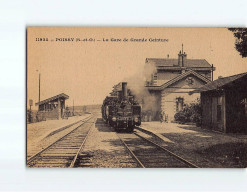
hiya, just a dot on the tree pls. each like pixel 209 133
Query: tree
pixel 190 113
pixel 241 40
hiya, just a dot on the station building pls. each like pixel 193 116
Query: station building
pixel 224 104
pixel 173 81
pixel 52 108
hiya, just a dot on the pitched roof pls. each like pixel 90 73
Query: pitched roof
pixel 179 77
pixel 62 95
pixel 221 82
pixel 174 62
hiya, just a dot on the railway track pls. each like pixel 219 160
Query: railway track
pixel 151 155
pixel 63 152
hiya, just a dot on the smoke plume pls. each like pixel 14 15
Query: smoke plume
pixel 136 84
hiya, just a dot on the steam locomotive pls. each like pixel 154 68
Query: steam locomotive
pixel 120 110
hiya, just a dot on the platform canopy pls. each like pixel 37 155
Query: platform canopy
pixel 62 95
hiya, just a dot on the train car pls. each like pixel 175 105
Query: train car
pixel 121 111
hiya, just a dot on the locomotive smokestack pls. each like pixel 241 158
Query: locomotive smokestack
pixel 124 90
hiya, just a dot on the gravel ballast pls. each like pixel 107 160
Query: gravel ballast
pixel 104 149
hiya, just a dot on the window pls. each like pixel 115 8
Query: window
pixel 155 76
pixel 219 107
pixel 179 104
pixel 244 106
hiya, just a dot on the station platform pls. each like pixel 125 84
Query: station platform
pixel 42 133
pixel 199 144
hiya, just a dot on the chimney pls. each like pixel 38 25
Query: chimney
pixel 167 56
pixel 181 57
pixel 184 56
pixel 124 90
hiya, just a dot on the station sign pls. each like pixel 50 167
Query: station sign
pixel 30 102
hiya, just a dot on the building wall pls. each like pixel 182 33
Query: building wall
pixel 236 108
pixel 210 111
pixel 180 89
pixel 51 115
pixel 206 104
pixel 218 125
pixel 233 99
pixel 48 112
pixel 169 97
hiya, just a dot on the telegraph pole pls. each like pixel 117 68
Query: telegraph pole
pixel 73 107
pixel 39 87
pixel 212 72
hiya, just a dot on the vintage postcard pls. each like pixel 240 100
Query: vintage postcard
pixel 126 97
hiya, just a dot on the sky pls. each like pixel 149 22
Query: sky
pixel 86 71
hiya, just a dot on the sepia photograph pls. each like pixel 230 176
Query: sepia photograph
pixel 136 97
